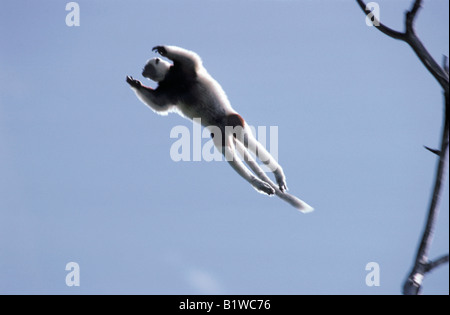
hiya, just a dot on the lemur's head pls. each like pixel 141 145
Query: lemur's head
pixel 156 69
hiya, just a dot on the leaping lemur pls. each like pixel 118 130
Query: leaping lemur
pixel 187 88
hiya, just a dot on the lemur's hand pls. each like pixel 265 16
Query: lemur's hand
pixel 160 50
pixel 133 83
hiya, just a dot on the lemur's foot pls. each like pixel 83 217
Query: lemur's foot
pixel 160 50
pixel 281 180
pixel 282 186
pixel 263 187
pixel 132 82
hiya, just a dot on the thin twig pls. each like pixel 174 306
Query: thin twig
pixel 434 151
pixel 436 263
pixel 411 15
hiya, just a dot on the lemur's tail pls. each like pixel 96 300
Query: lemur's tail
pixel 294 201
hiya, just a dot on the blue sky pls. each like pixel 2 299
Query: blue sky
pixel 86 174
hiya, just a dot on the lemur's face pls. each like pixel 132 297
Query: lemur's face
pixel 156 69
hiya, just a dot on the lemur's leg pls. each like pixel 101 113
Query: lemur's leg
pixel 149 96
pixel 244 134
pixel 258 149
pixel 229 151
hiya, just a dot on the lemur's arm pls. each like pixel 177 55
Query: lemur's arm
pixel 183 57
pixel 149 96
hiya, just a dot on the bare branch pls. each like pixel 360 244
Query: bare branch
pixel 409 36
pixel 445 63
pixel 436 263
pixel 417 5
pixel 434 151
pixel 432 66
pixel 380 26
pixel 422 265
pixel 413 284
pixel 411 15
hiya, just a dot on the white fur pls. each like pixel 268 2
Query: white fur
pixel 156 69
pixel 206 100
